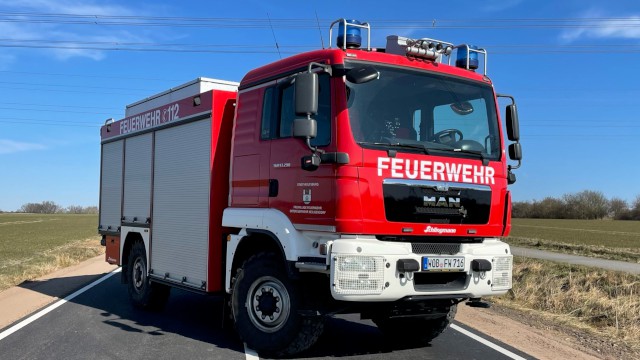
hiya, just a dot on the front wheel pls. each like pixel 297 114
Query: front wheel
pixel 143 293
pixel 415 331
pixel 265 304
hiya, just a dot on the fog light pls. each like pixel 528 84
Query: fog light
pixel 358 275
pixel 502 273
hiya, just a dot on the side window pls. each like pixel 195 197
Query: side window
pixel 323 118
pixel 267 114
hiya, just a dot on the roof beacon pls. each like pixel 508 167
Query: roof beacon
pixel 349 34
pixel 467 57
pixel 436 50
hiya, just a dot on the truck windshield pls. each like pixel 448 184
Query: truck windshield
pixel 421 111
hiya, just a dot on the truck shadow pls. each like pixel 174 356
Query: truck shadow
pixel 195 321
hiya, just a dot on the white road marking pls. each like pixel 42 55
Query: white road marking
pixel 250 353
pixel 488 343
pixel 54 306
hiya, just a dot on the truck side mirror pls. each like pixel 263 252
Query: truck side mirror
pixel 305 128
pixel 306 93
pixel 513 126
pixel 515 152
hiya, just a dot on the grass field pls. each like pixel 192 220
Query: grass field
pixel 610 239
pixel 32 245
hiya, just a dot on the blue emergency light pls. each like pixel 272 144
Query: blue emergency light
pixel 461 57
pixel 353 38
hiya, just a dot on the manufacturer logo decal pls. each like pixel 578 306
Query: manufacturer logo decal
pixel 437 230
pixel 441 201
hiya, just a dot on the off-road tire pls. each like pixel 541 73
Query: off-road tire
pixel 271 325
pixel 143 293
pixel 415 331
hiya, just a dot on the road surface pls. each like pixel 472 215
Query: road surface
pixel 99 323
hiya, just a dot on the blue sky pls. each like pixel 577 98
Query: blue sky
pixel 572 66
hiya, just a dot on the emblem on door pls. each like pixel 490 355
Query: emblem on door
pixel 306 196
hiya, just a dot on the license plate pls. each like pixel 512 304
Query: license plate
pixel 443 263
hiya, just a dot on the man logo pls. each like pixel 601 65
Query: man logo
pixel 441 201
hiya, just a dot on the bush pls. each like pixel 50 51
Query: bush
pixel 45 207
pixel 49 207
pixel 584 205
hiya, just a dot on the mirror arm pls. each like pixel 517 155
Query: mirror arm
pixel 314 149
pixel 513 167
pixel 513 100
pixel 323 67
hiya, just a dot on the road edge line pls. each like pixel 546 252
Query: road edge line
pixel 250 354
pixel 486 342
pixel 57 304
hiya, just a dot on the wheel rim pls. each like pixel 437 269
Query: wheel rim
pixel 268 304
pixel 139 274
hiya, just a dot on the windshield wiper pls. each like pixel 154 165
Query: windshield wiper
pixel 397 144
pixel 480 154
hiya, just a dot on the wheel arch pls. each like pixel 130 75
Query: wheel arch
pixel 131 236
pixel 253 242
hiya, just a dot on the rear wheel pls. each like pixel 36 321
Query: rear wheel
pixel 142 292
pixel 265 305
pixel 415 331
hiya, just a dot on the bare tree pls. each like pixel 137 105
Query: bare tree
pixel 619 209
pixel 45 207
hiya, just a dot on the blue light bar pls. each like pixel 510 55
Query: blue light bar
pixel 461 58
pixel 353 38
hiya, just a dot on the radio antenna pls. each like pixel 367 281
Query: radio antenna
pixel 319 30
pixel 274 36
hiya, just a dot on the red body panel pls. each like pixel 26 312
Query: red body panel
pixel 221 129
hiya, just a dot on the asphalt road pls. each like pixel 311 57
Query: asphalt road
pixel 577 260
pixel 100 324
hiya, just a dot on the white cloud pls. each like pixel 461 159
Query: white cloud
pixel 71 7
pixel 47 37
pixel 10 146
pixel 597 25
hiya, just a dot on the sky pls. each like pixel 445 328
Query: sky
pixel 68 65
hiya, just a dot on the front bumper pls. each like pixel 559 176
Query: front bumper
pixel 366 269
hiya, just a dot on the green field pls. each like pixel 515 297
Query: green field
pixel 35 244
pixel 611 239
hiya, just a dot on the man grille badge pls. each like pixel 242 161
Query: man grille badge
pixel 306 196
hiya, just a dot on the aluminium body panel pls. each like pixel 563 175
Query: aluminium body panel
pixel 180 224
pixel 111 186
pixel 190 89
pixel 137 179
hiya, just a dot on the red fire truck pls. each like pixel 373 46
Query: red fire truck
pixel 344 180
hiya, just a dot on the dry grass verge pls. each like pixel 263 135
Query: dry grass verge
pixel 606 303
pixel 14 273
pixel 32 245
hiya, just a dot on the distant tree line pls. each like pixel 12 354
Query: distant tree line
pixel 50 207
pixel 586 205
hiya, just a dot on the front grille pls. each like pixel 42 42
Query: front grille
pixel 435 248
pixel 432 202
